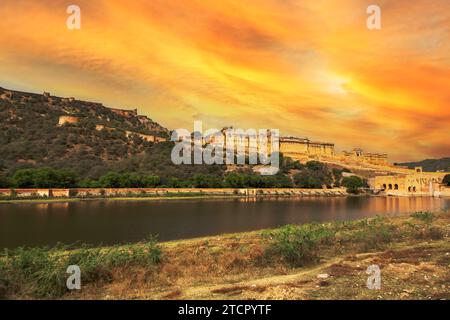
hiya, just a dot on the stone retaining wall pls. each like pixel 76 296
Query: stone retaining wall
pixel 442 191
pixel 122 192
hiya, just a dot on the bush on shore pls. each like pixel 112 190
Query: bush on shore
pixel 41 272
pixel 301 245
pixel 298 245
pixel 353 184
pixel 424 216
pixel 446 180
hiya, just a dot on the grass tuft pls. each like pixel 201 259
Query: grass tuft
pixel 424 216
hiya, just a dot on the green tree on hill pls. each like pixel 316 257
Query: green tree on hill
pixel 316 166
pixel 110 180
pixel 88 183
pixel 337 174
pixel 306 179
pixel 43 178
pixel 4 182
pixel 150 181
pixel 353 184
pixel 207 181
pixel 177 183
pixel 234 180
pixel 446 180
pixel 126 180
pixel 314 175
pixel 23 178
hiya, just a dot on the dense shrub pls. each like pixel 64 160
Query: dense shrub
pixel 446 180
pixel 126 180
pixel 314 175
pixel 373 234
pixel 4 182
pixel 423 216
pixel 353 184
pixel 207 181
pixel 43 178
pixel 298 245
pixel 295 245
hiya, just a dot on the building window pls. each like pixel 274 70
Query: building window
pixel 396 186
pixel 390 186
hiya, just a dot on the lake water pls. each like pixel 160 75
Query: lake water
pixel 112 222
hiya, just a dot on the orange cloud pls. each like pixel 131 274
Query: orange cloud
pixel 309 68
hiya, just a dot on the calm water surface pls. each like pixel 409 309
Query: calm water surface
pixel 112 222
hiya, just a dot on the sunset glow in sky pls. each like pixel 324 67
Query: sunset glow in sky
pixel 308 68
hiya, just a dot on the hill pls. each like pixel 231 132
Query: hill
pixel 48 141
pixel 42 130
pixel 430 165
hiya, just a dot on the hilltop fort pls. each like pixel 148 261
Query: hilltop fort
pixel 45 130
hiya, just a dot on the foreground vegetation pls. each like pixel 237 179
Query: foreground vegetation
pixel 313 261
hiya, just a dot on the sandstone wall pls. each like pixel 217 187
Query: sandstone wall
pixel 417 183
pixel 442 191
pixel 118 192
pixel 146 137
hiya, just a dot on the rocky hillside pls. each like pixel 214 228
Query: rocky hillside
pixel 44 130
pixel 430 165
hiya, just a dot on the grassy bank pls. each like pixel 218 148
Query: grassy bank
pixel 313 261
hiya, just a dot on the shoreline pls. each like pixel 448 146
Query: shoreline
pixel 183 195
pixel 191 197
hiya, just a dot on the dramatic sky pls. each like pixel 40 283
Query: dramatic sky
pixel 307 67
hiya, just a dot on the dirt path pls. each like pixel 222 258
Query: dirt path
pixel 414 271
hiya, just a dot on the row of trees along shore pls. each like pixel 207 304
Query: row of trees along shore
pixel 292 174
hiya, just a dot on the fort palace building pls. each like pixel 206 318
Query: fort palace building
pixel 415 183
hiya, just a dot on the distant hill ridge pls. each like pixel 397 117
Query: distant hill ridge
pixel 429 165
